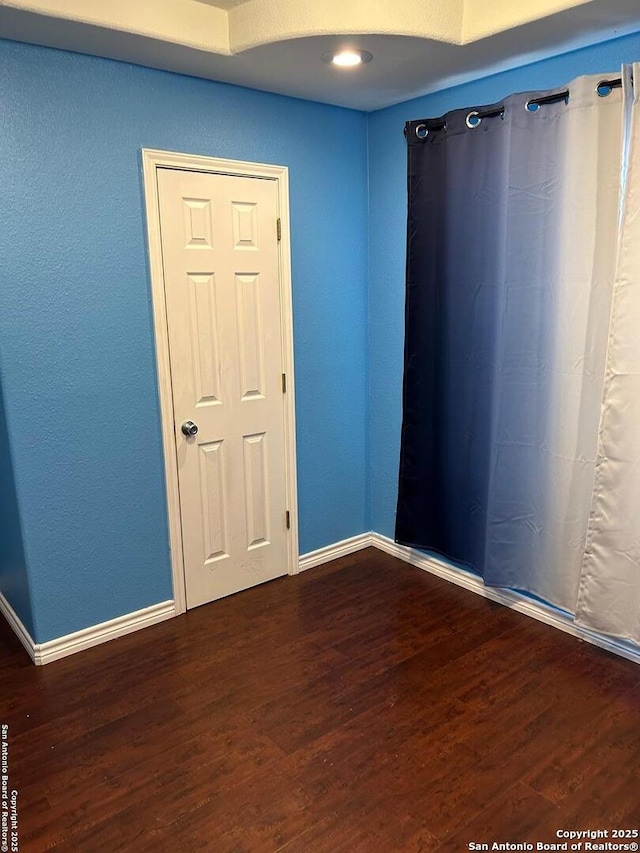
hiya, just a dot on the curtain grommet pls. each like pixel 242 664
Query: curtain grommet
pixel 473 119
pixel 422 131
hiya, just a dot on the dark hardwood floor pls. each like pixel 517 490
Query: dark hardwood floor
pixel 362 706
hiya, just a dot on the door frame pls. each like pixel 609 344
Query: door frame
pixel 152 160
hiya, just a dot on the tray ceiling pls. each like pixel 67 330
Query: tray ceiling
pixel 277 45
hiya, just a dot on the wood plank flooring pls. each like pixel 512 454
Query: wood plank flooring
pixel 364 706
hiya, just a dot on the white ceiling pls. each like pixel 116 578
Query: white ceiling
pixel 223 4
pixel 276 45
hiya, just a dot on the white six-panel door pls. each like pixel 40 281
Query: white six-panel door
pixel 221 280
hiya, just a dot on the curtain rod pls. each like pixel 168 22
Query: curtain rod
pixel 603 88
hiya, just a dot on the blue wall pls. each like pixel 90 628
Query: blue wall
pixel 78 369
pixel 14 581
pixel 387 222
pixel 76 340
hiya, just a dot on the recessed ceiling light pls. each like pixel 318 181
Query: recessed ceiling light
pixel 347 58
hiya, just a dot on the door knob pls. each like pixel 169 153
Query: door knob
pixel 189 428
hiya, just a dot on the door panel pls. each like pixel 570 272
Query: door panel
pixel 221 274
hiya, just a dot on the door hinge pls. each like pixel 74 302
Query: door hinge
pixel 279 228
pixel 284 383
pixel 287 518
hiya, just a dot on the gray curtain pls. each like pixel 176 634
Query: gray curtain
pixel 512 235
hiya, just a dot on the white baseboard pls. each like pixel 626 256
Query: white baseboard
pixel 543 613
pixel 332 552
pixel 41 653
pixel 102 633
pixel 18 628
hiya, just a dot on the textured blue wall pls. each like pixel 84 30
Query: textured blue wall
pixel 76 339
pixel 387 223
pixel 14 581
pixel 78 370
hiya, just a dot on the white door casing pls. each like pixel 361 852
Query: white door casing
pixel 222 316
